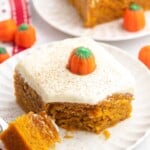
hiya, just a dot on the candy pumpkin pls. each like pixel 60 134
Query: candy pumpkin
pixel 7 30
pixel 144 55
pixel 81 61
pixel 25 36
pixel 134 19
pixel 3 54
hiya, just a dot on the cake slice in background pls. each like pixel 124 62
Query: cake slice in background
pixel 30 132
pixel 95 12
pixel 93 102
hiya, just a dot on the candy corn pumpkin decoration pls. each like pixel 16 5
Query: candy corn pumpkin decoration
pixel 3 54
pixel 7 30
pixel 144 55
pixel 81 61
pixel 134 19
pixel 25 36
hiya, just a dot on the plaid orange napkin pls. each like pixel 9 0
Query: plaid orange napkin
pixel 17 10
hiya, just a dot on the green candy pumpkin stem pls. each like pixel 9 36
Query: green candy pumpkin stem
pixel 2 50
pixel 134 7
pixel 23 27
pixel 83 52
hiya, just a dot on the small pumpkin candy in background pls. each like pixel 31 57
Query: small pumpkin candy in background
pixel 3 54
pixel 25 36
pixel 81 61
pixel 134 18
pixel 7 30
pixel 144 55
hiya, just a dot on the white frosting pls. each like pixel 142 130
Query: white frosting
pixel 52 121
pixel 45 71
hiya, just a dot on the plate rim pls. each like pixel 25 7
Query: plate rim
pixel 105 45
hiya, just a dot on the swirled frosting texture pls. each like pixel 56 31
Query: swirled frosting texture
pixel 45 71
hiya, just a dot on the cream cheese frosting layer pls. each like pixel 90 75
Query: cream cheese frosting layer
pixel 45 71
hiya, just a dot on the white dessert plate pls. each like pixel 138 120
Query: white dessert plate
pixel 61 15
pixel 124 135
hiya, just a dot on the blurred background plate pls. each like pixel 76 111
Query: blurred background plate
pixel 61 15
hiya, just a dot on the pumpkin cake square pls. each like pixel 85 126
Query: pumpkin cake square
pixel 30 132
pixel 95 12
pixel 77 82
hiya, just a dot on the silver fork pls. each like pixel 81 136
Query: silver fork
pixel 1 129
pixel 3 125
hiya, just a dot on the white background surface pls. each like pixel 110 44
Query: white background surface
pixel 46 33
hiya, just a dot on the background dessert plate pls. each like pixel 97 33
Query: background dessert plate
pixel 61 15
pixel 124 135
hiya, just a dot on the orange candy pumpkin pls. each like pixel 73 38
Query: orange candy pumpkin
pixel 3 54
pixel 134 19
pixel 144 55
pixel 81 61
pixel 25 36
pixel 7 30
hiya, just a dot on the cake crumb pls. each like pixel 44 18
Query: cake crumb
pixel 68 135
pixel 106 134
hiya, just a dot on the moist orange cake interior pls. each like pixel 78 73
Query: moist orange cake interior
pixel 30 132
